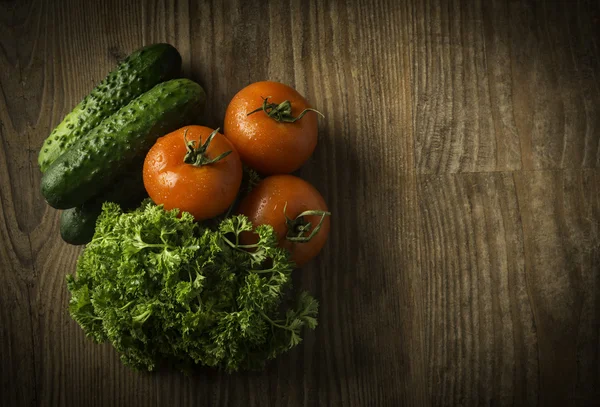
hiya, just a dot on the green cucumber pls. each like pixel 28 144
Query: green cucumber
pixel 77 225
pixel 138 73
pixel 97 160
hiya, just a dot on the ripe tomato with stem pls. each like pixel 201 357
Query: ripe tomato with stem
pixel 272 126
pixel 194 169
pixel 296 211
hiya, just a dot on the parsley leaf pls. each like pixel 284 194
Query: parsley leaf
pixel 162 288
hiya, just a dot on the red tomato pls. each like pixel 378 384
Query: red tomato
pixel 265 205
pixel 272 126
pixel 194 172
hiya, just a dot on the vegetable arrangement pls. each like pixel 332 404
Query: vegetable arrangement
pixel 189 253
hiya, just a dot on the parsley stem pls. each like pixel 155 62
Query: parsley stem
pixel 126 305
pixel 237 245
pixel 247 246
pixel 262 271
pixel 161 245
pixel 274 323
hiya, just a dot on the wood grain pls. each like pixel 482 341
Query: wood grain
pixel 506 85
pixel 562 248
pixel 507 306
pixel 459 154
pixel 482 342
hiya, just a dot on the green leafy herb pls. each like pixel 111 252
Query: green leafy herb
pixel 160 287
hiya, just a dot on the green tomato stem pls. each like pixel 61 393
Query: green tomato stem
pixel 197 156
pixel 281 112
pixel 298 227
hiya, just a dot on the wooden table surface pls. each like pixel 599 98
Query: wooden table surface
pixel 459 154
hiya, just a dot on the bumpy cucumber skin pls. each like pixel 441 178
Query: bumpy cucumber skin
pixel 96 160
pixel 138 73
pixel 78 225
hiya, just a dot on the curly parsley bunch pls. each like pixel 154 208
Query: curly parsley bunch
pixel 160 287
